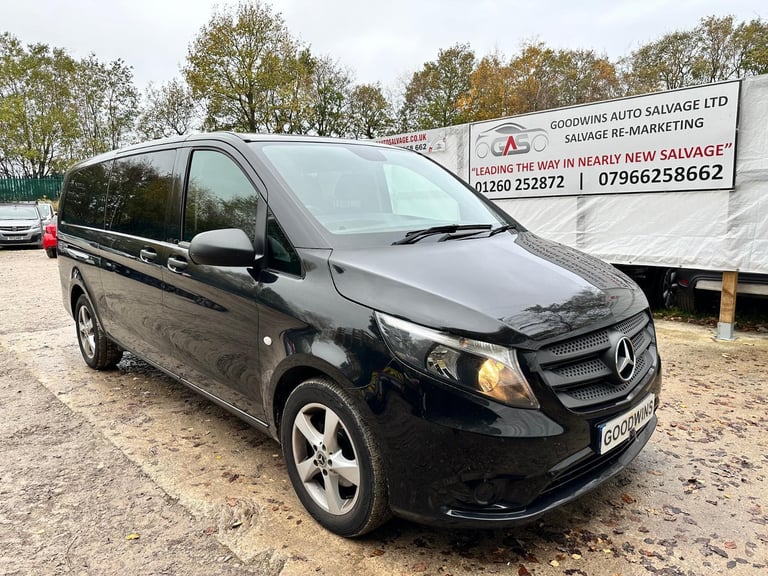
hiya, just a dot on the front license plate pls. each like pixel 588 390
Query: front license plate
pixel 616 430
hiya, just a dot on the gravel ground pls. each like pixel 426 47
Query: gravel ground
pixel 127 472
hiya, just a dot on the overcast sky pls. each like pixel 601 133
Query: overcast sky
pixel 382 41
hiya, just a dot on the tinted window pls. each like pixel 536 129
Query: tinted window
pixel 219 195
pixel 85 196
pixel 138 194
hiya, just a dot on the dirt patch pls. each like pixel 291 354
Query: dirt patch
pixel 88 459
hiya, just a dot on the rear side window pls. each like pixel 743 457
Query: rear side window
pixel 219 195
pixel 85 196
pixel 138 194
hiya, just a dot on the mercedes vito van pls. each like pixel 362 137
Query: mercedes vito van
pixel 413 349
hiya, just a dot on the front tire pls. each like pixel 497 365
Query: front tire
pixel 333 460
pixel 99 352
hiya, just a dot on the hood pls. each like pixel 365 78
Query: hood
pixel 22 223
pixel 487 287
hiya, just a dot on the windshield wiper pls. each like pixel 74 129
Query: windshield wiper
pixel 471 233
pixel 502 228
pixel 416 235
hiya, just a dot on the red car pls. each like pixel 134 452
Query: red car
pixel 49 239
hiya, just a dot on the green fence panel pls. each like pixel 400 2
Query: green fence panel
pixel 30 189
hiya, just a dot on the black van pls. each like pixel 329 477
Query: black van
pixel 413 349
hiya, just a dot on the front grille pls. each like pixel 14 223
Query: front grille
pixel 16 228
pixel 581 370
pixel 631 325
pixel 578 345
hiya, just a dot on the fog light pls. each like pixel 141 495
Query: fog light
pixel 486 493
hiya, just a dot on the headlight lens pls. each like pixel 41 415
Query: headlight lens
pixel 488 369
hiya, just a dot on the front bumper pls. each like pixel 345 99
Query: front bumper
pixel 25 239
pixel 586 473
pixel 449 477
pixel 460 460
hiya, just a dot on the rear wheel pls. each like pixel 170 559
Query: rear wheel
pixel 51 252
pixel 98 351
pixel 663 289
pixel 333 460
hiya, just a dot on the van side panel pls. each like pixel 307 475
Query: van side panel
pixel 134 252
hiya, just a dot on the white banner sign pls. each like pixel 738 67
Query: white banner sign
pixel 426 142
pixel 667 141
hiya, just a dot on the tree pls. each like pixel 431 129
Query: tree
pixel 753 40
pixel 330 93
pixel 107 105
pixel 370 113
pixel 434 94
pixel 586 77
pixel 168 111
pixel 248 71
pixel 537 77
pixel 35 109
pixel 288 106
pixel 665 64
pixel 727 50
pixel 716 49
pixel 493 91
pixel 718 56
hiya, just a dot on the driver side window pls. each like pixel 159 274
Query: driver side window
pixel 219 195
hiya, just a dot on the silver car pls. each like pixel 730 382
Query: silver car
pixel 20 225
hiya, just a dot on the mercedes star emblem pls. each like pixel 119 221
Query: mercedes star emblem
pixel 625 359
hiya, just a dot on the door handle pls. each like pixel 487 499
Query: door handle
pixel 147 254
pixel 176 264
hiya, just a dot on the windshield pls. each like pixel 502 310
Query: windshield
pixel 19 213
pixel 367 195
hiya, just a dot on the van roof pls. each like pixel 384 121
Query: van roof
pixel 232 137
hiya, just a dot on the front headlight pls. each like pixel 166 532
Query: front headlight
pixel 488 369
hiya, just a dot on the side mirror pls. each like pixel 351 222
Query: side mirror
pixel 228 247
